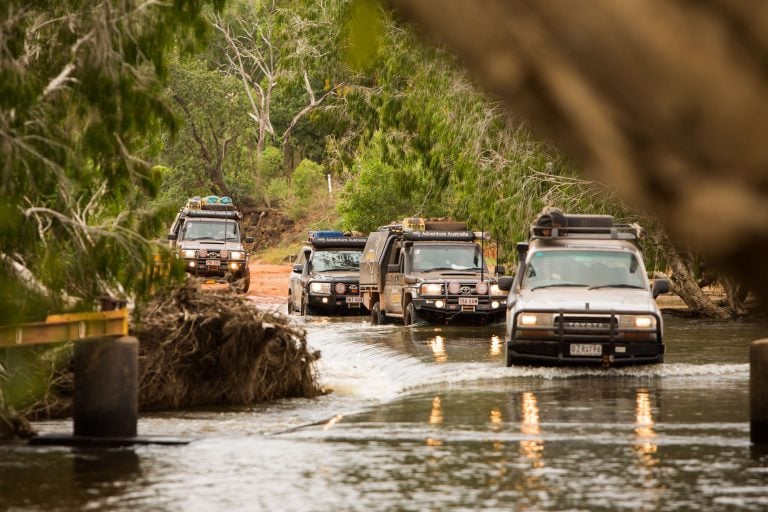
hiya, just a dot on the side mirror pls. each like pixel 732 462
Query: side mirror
pixel 298 268
pixel 172 236
pixel 660 286
pixel 249 239
pixel 499 269
pixel 505 283
pixel 411 279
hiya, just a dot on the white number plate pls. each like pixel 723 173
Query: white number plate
pixel 212 263
pixel 354 300
pixel 467 301
pixel 583 349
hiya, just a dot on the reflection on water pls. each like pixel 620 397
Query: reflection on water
pixel 532 449
pixel 495 346
pixel 437 344
pixel 436 414
pixel 430 419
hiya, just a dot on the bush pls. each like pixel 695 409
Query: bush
pixel 308 178
pixel 271 164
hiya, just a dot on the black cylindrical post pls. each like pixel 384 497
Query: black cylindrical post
pixel 106 387
pixel 758 391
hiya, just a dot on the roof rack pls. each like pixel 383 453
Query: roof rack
pixel 552 223
pixel 211 203
pixel 336 239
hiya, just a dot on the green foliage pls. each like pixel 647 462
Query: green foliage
pixel 80 109
pixel 307 178
pixel 278 189
pixel 271 163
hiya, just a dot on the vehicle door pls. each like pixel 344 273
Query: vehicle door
pixel 393 282
pixel 298 279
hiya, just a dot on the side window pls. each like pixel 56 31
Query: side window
pixel 394 256
pixel 300 258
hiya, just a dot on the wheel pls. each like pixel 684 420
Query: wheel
pixel 291 305
pixel 377 317
pixel 246 282
pixel 410 317
pixel 507 355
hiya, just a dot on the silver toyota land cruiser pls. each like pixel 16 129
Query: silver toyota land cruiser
pixel 581 296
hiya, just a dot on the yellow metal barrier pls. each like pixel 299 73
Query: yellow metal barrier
pixel 66 327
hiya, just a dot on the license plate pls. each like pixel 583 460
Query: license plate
pixel 584 349
pixel 355 300
pixel 467 301
pixel 212 263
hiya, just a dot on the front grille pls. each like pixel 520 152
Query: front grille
pixel 586 324
pixel 205 253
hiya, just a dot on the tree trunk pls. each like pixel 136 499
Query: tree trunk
pixel 684 283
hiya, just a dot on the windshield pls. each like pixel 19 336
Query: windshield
pixel 447 257
pixel 210 230
pixel 323 261
pixel 589 268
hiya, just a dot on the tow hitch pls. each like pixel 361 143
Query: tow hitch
pixel 607 360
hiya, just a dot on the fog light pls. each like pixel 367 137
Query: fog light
pixel 191 264
pixel 439 304
pixel 494 304
pixel 234 266
pixel 325 300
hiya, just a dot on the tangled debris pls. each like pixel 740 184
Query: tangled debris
pixel 196 348
pixel 215 348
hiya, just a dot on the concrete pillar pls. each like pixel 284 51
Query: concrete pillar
pixel 758 391
pixel 106 387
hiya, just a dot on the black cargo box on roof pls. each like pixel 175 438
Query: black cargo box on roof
pixel 552 223
pixel 453 236
pixel 341 242
pixel 213 214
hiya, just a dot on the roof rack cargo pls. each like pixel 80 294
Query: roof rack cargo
pixel 335 239
pixel 553 223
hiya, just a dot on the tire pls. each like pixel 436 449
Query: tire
pixel 291 305
pixel 246 282
pixel 507 356
pixel 304 305
pixel 410 317
pixel 377 317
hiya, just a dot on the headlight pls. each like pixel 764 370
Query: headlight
pixel 316 287
pixel 432 289
pixel 187 253
pixel 497 292
pixel 538 319
pixel 637 321
pixel 236 255
pixel 482 288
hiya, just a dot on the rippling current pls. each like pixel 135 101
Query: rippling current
pixel 428 418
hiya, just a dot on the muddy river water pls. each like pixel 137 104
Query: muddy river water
pixel 428 418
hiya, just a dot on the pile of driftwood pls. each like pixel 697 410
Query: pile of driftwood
pixel 215 348
pixel 198 348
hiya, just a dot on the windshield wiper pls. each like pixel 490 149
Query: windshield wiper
pixel 557 285
pixel 616 286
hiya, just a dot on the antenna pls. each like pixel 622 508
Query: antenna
pixel 482 252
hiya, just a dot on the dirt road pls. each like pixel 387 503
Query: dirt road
pixel 269 283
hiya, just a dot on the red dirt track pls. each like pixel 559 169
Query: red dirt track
pixel 269 283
